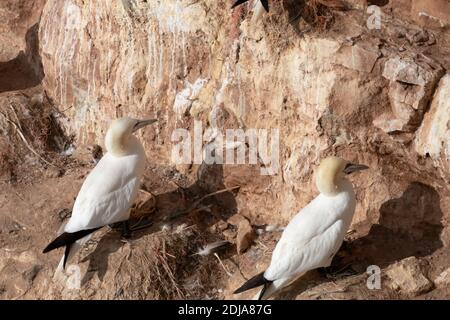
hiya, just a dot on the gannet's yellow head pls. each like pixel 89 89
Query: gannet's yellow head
pixel 331 172
pixel 117 140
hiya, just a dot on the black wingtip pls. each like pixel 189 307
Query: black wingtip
pixel 237 3
pixel 49 248
pixel 265 4
pixel 254 282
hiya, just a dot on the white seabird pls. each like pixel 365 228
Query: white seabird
pixel 315 234
pixel 108 191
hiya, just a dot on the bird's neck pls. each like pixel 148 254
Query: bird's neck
pixel 120 146
pixel 345 185
pixel 334 188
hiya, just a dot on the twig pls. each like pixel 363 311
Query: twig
pixel 223 266
pixel 238 268
pixel 169 271
pixel 17 117
pixel 22 136
pixel 170 255
pixel 262 244
pixel 61 113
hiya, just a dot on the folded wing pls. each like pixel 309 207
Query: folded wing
pixel 106 195
pixel 308 242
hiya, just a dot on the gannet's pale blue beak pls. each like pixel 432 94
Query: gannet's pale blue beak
pixel 142 123
pixel 353 167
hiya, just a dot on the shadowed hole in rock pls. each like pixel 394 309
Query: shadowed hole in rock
pixel 380 3
pixel 409 226
pixel 24 71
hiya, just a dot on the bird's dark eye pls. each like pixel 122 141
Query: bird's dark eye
pixel 353 167
pixel 347 167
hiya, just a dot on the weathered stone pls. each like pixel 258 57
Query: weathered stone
pixel 87 153
pixel 407 276
pixel 235 219
pixel 434 13
pixel 219 226
pixel 358 57
pixel 433 136
pixel 411 71
pixel 443 279
pixel 229 234
pixel 389 123
pixel 418 36
pixel 410 90
pixel 17 17
pixel 20 64
pixel 244 236
pixel 405 101
pixel 222 225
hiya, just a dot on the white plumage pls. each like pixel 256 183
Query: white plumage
pixel 109 190
pixel 312 238
pixel 258 11
pixel 316 232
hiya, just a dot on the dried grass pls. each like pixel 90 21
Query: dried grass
pixel 321 16
pixel 165 269
pixel 18 128
pixel 28 128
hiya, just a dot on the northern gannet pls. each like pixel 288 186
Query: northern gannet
pixel 259 6
pixel 108 191
pixel 315 234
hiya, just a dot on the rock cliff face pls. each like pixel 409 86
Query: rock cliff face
pixel 370 85
pixel 349 90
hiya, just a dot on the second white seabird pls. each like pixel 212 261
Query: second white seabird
pixel 315 234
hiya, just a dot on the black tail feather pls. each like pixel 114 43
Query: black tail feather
pixel 66 239
pixel 263 290
pixel 254 282
pixel 66 254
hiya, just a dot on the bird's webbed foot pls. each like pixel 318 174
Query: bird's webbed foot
pixel 129 227
pixel 141 224
pixel 126 231
pixel 337 272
